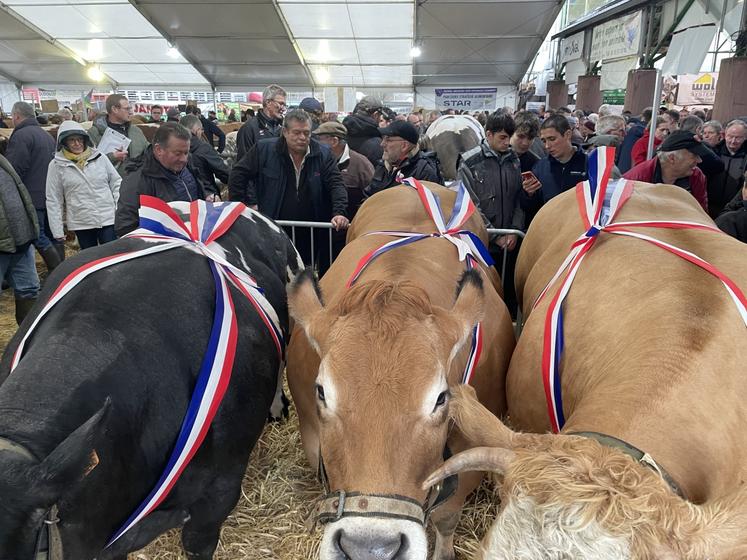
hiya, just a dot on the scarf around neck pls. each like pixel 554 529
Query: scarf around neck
pixel 78 159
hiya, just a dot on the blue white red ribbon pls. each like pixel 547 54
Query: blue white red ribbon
pixel 598 207
pixel 207 222
pixel 469 246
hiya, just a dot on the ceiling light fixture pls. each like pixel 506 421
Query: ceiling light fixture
pixel 322 75
pixel 95 73
pixel 416 51
pixel 173 52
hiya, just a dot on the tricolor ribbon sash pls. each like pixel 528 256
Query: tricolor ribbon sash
pixel 469 247
pixel 598 205
pixel 207 222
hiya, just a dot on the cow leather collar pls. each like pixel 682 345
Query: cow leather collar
pixel 340 504
pixel 48 540
pixel 638 455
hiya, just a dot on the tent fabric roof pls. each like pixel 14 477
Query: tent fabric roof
pixel 251 43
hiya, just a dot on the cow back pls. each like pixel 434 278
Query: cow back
pixel 648 337
pixel 450 136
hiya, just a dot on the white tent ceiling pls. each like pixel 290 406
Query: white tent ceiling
pixel 248 44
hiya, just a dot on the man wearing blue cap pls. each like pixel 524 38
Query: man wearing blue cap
pixel 314 108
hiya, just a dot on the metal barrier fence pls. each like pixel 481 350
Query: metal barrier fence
pixel 310 235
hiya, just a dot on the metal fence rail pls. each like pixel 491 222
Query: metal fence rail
pixel 313 231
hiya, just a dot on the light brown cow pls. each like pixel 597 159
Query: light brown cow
pixel 371 369
pixel 654 356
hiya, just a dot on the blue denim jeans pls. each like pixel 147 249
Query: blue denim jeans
pixel 19 269
pixel 44 240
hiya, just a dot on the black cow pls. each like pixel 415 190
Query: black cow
pixel 99 397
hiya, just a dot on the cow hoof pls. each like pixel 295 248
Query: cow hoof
pixel 280 409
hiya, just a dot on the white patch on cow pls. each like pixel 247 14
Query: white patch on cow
pixel 372 530
pixel 277 407
pixel 440 384
pixel 324 379
pixel 455 123
pixel 252 214
pixel 524 531
pixel 243 261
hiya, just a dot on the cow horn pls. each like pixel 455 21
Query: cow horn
pixel 492 459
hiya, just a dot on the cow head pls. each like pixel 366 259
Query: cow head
pixel 570 497
pixel 382 396
pixel 29 488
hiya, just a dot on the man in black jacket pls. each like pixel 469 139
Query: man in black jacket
pixel 30 149
pixel 211 129
pixel 205 159
pixel 722 187
pixel 293 178
pixel 733 220
pixel 165 173
pixel 402 158
pixel 266 124
pixel 363 128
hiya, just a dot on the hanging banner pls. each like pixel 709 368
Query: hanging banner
pixel 571 48
pixel 688 50
pixel 617 38
pixel 697 89
pixel 615 73
pixel 474 99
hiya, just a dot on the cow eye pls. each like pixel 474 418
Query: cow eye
pixel 441 400
pixel 320 393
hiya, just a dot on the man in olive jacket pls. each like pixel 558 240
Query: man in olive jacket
pixel 18 229
pixel 30 149
pixel 118 119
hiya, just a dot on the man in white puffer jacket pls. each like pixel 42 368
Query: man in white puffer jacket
pixel 82 186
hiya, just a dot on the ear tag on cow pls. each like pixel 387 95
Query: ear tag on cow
pixel 93 464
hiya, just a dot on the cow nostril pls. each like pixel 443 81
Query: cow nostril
pixel 356 547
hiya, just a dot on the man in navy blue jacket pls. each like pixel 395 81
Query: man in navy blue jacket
pixel 293 177
pixel 562 169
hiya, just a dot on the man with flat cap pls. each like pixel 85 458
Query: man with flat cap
pixel 355 169
pixel 676 163
pixel 402 158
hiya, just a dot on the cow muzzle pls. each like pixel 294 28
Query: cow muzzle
pixel 360 538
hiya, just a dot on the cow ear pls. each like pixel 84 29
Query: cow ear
pixel 74 458
pixel 306 307
pixel 477 425
pixel 466 313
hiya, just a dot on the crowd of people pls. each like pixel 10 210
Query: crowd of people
pixel 302 164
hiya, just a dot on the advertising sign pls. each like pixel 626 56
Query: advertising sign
pixel 617 38
pixel 572 47
pixel 697 89
pixel 473 99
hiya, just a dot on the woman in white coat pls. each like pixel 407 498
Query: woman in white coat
pixel 82 189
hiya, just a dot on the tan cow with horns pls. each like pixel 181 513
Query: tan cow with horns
pixel 371 372
pixel 654 378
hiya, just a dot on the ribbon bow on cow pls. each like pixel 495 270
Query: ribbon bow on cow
pixel 599 205
pixel 469 247
pixel 159 223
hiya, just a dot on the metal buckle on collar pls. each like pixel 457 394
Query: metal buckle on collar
pixel 48 542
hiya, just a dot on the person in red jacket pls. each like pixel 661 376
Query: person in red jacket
pixel 640 148
pixel 676 164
